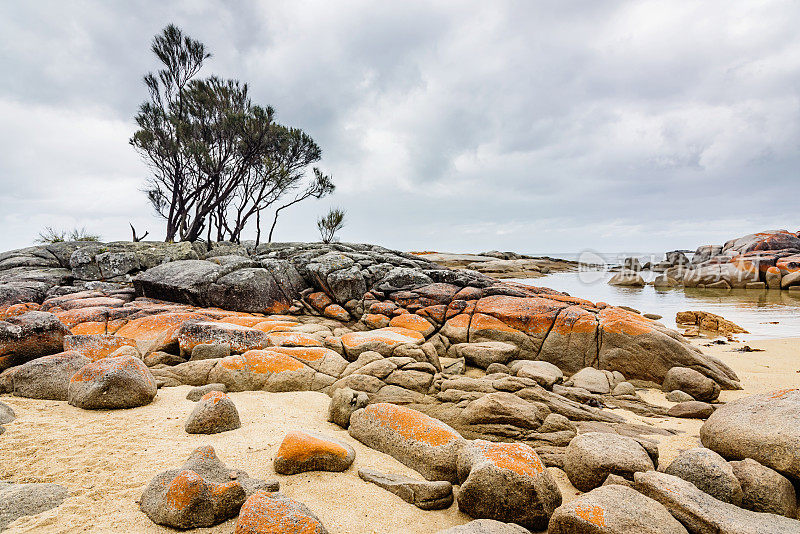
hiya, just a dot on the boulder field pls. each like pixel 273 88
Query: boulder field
pixel 478 385
pixel 764 260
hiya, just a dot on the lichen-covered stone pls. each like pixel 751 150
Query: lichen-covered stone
pixel 303 451
pixel 421 442
pixel 119 382
pixel 507 482
pixel 270 513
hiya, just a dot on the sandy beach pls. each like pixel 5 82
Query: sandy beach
pixel 105 459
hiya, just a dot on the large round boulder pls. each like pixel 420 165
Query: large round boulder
pixel 507 482
pixel 709 472
pixel 692 382
pixel 591 457
pixel 47 377
pixel 764 489
pixel 118 382
pixel 764 427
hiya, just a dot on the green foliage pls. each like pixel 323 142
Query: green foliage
pixel 51 235
pixel 330 224
pixel 217 160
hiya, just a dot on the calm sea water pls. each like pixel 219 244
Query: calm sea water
pixel 765 314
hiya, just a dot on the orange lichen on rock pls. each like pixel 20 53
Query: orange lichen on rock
pixel 387 336
pixel 517 457
pixel 93 302
pixel 242 320
pixel 293 339
pixel 262 362
pixel 411 424
pixel 531 315
pixel 591 514
pixel 269 325
pixel 18 309
pixel 91 328
pixel 97 369
pixel 375 320
pixel 575 320
pixel 781 393
pixel 76 316
pixel 271 513
pixel 156 326
pixel 184 489
pixel 96 347
pixel 299 447
pixel 306 354
pixel 334 311
pixel 487 322
pixel 413 322
pixel 214 396
pixel 619 321
pixel 319 300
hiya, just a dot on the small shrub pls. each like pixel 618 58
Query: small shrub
pixel 51 235
pixel 330 224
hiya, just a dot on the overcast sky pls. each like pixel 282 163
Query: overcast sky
pixel 451 125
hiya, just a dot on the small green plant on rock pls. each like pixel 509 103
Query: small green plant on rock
pixel 330 224
pixel 51 235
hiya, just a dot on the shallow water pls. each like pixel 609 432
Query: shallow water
pixel 752 310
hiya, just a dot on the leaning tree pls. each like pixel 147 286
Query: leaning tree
pixel 217 160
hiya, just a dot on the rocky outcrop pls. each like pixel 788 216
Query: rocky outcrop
pixel 756 261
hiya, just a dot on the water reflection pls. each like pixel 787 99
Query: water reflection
pixel 765 314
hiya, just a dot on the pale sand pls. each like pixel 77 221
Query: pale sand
pixel 105 459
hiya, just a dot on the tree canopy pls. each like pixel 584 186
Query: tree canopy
pixel 217 160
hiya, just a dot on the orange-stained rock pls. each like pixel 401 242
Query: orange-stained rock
pixel 273 513
pixel 421 442
pixel 261 362
pixel 268 370
pixel 320 359
pixel 383 308
pixel 303 451
pixel 215 412
pixel 202 493
pixel 506 482
pixel 28 336
pixel 383 340
pixel 242 320
pixel 334 311
pixel 533 316
pixel 98 346
pixel 645 349
pixel 269 325
pixel 375 320
pixel 456 328
pixel 319 301
pixel 110 383
pixel 572 343
pixel 293 339
pixel 157 332
pixel 77 316
pixel 413 322
pixel 434 313
pixel 240 338
pixel 58 302
pixel 18 309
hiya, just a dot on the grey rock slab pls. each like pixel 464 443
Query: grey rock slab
pixel 701 513
pixel 18 500
pixel 424 494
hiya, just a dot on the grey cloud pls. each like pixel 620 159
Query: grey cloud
pixel 472 125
